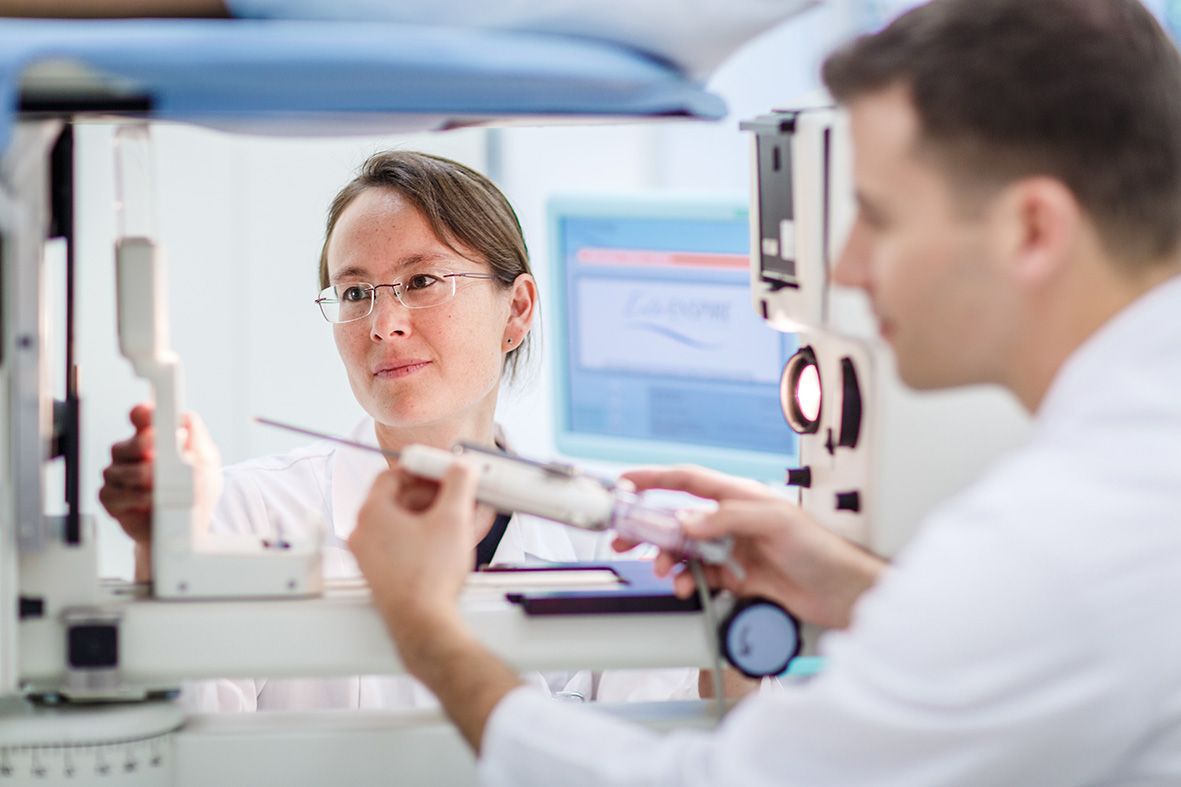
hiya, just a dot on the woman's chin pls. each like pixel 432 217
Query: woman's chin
pixel 406 418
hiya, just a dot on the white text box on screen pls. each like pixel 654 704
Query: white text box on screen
pixel 705 331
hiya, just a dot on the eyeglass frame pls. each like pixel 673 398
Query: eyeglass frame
pixel 396 287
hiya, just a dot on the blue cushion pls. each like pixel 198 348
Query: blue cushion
pixel 297 76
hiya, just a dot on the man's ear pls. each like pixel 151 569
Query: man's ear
pixel 1041 221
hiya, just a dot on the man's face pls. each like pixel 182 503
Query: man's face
pixel 927 262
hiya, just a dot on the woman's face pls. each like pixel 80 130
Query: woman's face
pixel 439 365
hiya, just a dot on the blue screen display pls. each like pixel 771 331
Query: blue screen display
pixel 661 341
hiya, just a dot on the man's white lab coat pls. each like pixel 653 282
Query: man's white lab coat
pixel 1031 635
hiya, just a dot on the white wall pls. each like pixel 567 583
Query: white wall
pixel 242 220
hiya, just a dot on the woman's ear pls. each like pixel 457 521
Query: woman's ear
pixel 522 307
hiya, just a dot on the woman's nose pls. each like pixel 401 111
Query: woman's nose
pixel 389 316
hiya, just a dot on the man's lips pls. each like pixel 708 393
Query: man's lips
pixel 396 369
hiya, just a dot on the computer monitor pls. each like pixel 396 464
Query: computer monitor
pixel 658 354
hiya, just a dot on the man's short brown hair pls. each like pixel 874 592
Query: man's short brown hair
pixel 1084 91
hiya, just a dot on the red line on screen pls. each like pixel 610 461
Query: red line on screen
pixel 651 259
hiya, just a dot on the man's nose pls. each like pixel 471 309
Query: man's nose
pixel 389 316
pixel 852 268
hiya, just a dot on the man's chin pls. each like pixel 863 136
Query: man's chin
pixel 924 378
pixel 918 377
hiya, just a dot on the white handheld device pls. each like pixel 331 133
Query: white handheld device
pixel 553 491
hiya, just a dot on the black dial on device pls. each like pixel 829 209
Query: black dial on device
pixel 759 638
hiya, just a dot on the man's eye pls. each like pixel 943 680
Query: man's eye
pixel 421 281
pixel 354 294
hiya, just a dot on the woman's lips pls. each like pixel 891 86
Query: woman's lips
pixel 400 369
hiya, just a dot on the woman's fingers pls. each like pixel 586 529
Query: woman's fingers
pixel 128 476
pixel 119 502
pixel 136 448
pixel 198 443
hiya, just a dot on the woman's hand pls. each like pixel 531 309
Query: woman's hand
pixel 787 556
pixel 126 492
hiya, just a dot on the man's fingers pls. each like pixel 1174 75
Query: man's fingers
pixel 683 585
pixel 739 518
pixel 697 481
pixel 387 485
pixel 457 489
pixel 382 494
pixel 416 493
pixel 665 562
pixel 623 544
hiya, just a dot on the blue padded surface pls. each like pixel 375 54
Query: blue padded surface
pixel 278 76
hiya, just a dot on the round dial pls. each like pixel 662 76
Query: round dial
pixel 759 637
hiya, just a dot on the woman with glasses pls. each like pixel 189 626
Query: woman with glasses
pixel 425 281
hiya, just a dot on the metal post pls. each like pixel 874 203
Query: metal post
pixel 25 423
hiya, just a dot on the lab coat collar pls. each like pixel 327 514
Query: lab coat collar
pixel 529 539
pixel 1144 333
pixel 352 471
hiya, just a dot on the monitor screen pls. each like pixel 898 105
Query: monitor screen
pixel 660 357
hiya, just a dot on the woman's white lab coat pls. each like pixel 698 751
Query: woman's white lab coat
pixel 320 488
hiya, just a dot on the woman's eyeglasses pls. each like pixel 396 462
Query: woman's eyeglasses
pixel 421 290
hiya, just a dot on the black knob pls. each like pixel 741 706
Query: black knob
pixel 850 405
pixel 799 476
pixel 849 501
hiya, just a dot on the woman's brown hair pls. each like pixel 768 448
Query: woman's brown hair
pixel 462 207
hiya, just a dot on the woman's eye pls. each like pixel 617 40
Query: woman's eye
pixel 420 281
pixel 354 294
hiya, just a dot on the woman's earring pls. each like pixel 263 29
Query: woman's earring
pixel 509 342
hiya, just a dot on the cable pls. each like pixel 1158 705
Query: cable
pixel 710 614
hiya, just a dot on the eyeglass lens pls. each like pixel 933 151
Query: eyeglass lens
pixel 353 301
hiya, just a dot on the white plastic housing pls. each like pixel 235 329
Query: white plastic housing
pixel 187 562
pixel 913 450
pixel 509 484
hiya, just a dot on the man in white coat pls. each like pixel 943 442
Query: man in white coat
pixel 1018 176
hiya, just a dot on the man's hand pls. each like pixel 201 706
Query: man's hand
pixel 126 492
pixel 413 542
pixel 787 556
